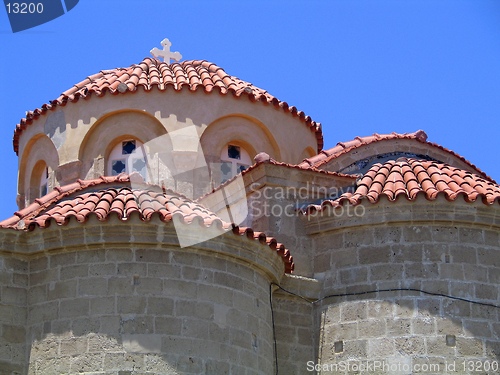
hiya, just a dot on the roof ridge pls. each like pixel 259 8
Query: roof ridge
pixel 420 136
pixel 418 176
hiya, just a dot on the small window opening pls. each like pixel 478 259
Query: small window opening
pixel 127 157
pixel 234 160
pixel 128 147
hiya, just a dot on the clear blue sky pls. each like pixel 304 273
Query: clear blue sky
pixel 358 67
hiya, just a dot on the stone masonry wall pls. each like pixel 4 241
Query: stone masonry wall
pixel 295 334
pixel 114 310
pixel 409 327
pixel 13 284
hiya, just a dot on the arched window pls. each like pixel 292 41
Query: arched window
pixel 128 156
pixel 44 182
pixel 234 159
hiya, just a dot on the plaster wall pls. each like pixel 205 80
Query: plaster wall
pixel 272 130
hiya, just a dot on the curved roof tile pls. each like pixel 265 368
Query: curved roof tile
pixel 153 73
pixel 410 177
pixel 342 148
pixel 110 195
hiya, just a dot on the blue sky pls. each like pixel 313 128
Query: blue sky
pixel 356 66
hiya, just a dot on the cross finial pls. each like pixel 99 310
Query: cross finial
pixel 165 53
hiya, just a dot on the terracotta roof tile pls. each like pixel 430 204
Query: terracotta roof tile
pixel 410 177
pixel 342 148
pixel 115 195
pixel 152 73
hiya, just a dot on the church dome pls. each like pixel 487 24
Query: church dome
pixel 152 73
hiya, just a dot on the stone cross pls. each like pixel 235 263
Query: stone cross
pixel 165 53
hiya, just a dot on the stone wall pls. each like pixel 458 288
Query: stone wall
pixel 137 303
pixel 408 327
pixel 13 283
pixel 295 333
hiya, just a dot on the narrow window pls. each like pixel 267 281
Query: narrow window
pixel 234 160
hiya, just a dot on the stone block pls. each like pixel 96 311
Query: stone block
pixel 160 306
pixel 149 286
pixel 444 234
pixel 451 271
pixel 372 328
pixel 407 253
pixel 421 271
pixel 463 253
pixel 62 259
pixel 404 308
pixel 71 272
pixel 386 272
pixel 86 325
pixel 119 255
pixel 380 309
pixel 461 289
pixel 485 291
pixel 168 325
pixel 410 346
pixel 93 286
pixel 71 308
pixel 343 259
pixel 476 329
pixel 165 271
pixel 61 289
pixel 13 334
pixel 470 347
pixel 73 346
pixel 120 286
pixel 429 307
pixel 43 277
pixel 20 279
pixel 88 362
pixel 471 235
pixel 38 264
pixel 412 234
pixel 42 313
pixel 384 235
pixel 488 257
pixel 152 256
pixel 131 305
pixel 131 269
pixel 354 275
pixel 398 327
pixel 102 269
pixel 195 309
pixel 102 305
pixel 436 346
pixel 456 308
pixel 16 265
pixel 13 296
pixel 423 326
pixel 380 348
pixel 137 324
pixel 353 311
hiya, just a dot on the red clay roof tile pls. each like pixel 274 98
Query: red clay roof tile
pixel 345 147
pixel 154 73
pixel 411 177
pixel 123 200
